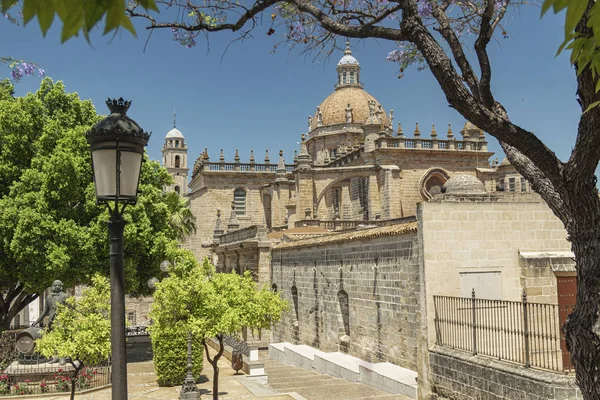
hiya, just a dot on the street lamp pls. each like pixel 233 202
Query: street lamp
pixel 117 146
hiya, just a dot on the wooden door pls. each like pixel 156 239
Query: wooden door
pixel 567 291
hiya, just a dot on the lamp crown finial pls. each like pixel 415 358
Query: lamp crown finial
pixel 118 106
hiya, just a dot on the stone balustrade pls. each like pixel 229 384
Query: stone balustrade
pixel 239 167
pixel 239 235
pixel 431 144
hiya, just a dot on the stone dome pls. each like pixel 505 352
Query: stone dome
pixel 174 134
pixel 348 59
pixel 464 184
pixel 333 108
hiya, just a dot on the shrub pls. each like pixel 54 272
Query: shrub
pixel 169 347
pixel 8 349
pixel 4 384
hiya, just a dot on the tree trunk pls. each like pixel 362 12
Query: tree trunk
pixel 74 377
pixel 214 362
pixel 215 380
pixel 4 323
pixel 582 328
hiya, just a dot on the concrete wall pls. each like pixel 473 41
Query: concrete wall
pixel 380 279
pixel 457 375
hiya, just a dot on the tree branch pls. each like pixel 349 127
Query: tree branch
pixel 258 7
pixel 457 50
pixel 485 118
pixel 485 34
pixel 210 360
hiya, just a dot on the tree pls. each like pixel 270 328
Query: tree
pixel 182 220
pixel 212 305
pixel 81 329
pixel 52 227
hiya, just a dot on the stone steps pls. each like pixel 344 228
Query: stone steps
pixel 312 385
pixel 385 376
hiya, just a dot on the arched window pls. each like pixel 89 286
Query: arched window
pixel 239 200
pixel 177 143
pixel 177 190
pixel 344 77
pixel 177 161
pixel 351 76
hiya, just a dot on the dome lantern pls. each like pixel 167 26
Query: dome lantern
pixel 348 70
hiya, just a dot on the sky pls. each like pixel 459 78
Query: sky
pixel 250 98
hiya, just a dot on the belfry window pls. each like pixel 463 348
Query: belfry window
pixel 177 161
pixel 177 143
pixel 239 201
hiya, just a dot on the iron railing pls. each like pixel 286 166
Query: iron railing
pixel 517 331
pixel 52 378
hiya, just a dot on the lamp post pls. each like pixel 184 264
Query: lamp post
pixel 117 146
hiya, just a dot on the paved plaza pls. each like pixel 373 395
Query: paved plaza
pixel 285 383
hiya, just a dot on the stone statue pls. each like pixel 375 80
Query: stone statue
pixel 371 108
pixel 379 113
pixel 349 116
pixel 309 122
pixel 52 301
pixel 319 117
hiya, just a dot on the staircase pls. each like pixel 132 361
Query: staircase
pixel 310 385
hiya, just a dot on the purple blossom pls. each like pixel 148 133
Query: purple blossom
pixel 17 74
pixel 28 69
pixel 41 72
pixel 424 8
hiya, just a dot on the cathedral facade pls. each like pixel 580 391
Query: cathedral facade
pixel 353 168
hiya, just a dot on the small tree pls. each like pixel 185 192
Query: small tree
pixel 212 305
pixel 81 329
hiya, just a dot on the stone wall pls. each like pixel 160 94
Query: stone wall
pixel 138 308
pixel 458 375
pixel 214 190
pixel 466 237
pixel 358 295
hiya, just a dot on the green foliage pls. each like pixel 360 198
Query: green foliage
pixel 8 349
pixel 52 226
pixel 169 348
pixel 584 46
pixel 79 15
pixel 168 332
pixel 182 220
pixel 209 304
pixel 81 329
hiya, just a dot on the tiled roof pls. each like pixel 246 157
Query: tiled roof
pixel 392 230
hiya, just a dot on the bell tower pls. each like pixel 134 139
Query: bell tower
pixel 174 153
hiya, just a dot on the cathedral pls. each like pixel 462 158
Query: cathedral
pixel 352 169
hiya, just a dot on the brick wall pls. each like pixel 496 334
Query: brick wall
pixel 457 375
pixel 379 276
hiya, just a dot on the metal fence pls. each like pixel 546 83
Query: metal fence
pixel 52 378
pixel 518 331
